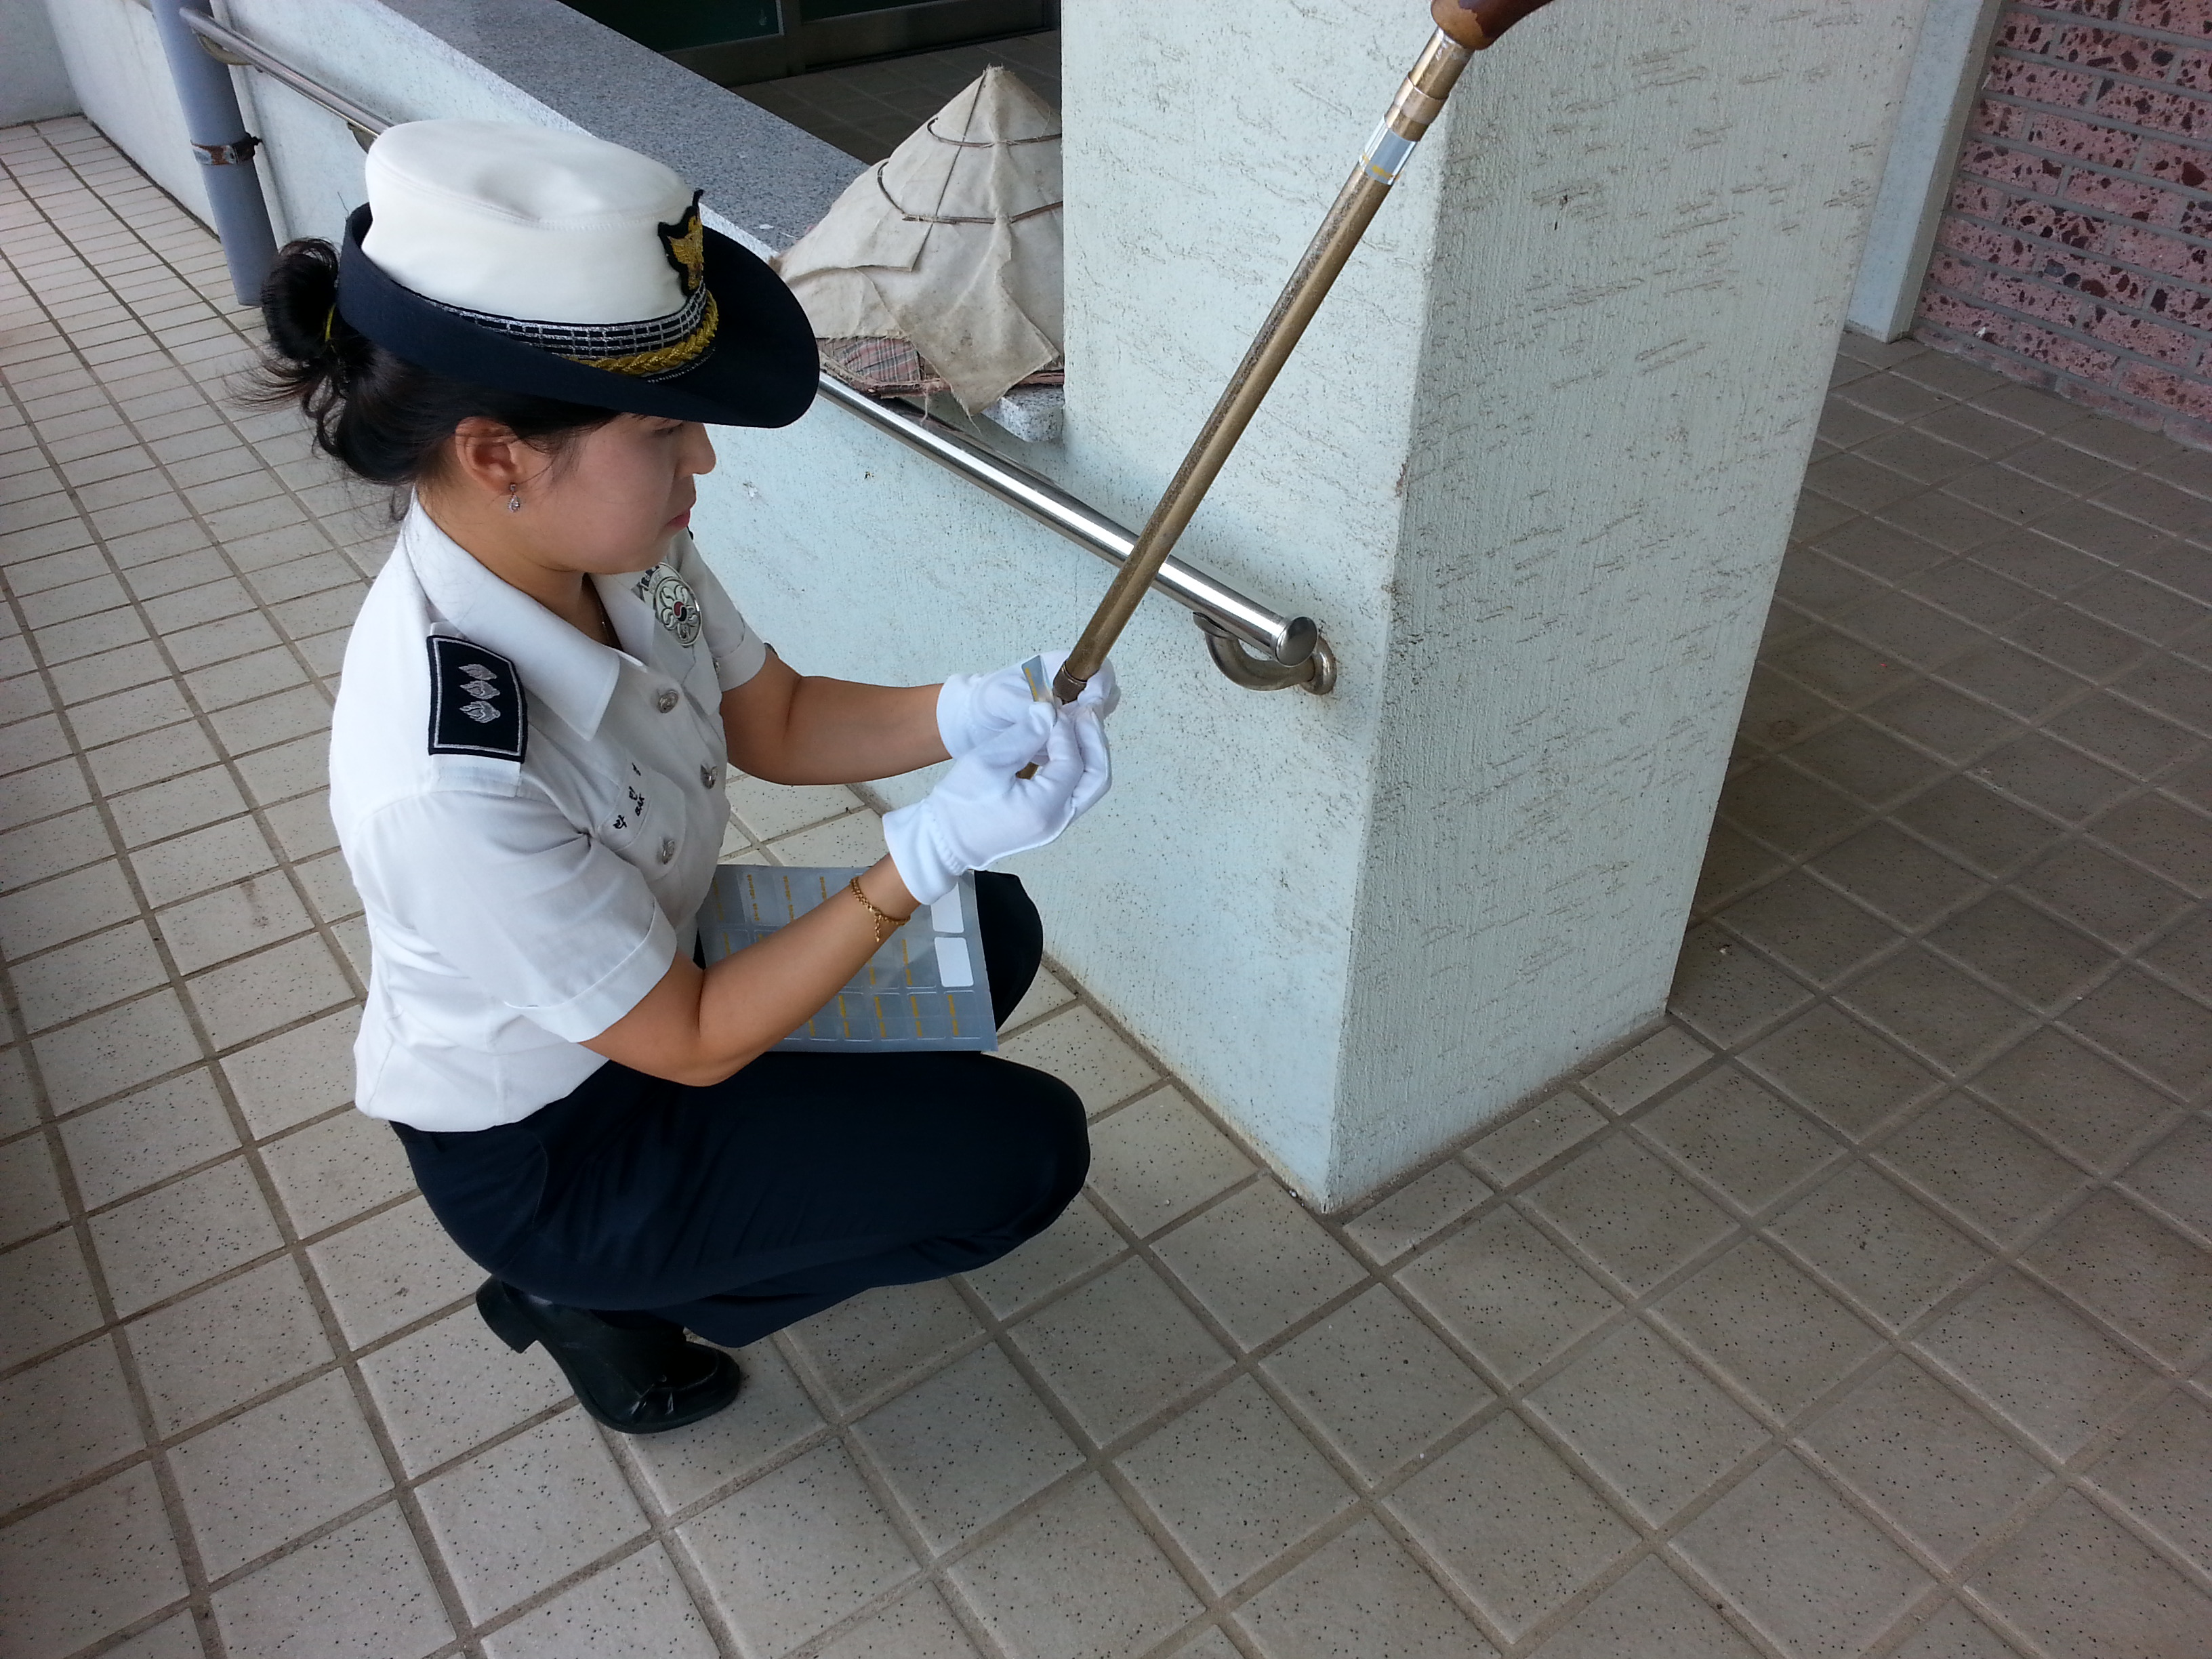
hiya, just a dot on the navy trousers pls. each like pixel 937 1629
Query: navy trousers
pixel 736 1209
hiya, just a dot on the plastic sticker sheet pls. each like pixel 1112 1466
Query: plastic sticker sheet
pixel 925 989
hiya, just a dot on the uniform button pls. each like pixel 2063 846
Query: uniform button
pixel 668 848
pixel 664 699
pixel 710 775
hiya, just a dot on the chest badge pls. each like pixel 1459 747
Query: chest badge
pixel 476 702
pixel 675 607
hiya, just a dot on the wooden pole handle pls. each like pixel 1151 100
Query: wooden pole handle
pixel 1476 24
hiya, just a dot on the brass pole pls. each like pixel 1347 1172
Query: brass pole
pixel 1463 28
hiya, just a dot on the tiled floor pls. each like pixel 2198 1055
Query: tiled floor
pixel 867 109
pixel 1865 1308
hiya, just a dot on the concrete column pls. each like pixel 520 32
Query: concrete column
pixel 1534 469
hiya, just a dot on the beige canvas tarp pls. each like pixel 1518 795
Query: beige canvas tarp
pixel 953 243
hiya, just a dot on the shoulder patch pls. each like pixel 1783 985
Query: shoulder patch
pixel 476 702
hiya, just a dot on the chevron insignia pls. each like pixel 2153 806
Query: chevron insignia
pixel 476 706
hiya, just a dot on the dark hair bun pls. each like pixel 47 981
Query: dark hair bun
pixel 382 417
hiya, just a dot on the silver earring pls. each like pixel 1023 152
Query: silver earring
pixel 513 500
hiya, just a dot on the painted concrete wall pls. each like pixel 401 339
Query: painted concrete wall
pixel 1532 469
pixel 122 81
pixel 33 80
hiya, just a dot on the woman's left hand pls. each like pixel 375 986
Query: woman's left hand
pixel 972 708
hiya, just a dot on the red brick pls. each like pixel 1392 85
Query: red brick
pixel 2192 70
pixel 2187 165
pixel 2016 168
pixel 1955 275
pixel 2174 16
pixel 2145 106
pixel 2028 34
pixel 1978 200
pixel 2156 250
pixel 2112 52
pixel 2034 217
pixel 2062 352
pixel 2181 393
pixel 2196 219
pixel 2030 298
pixel 2145 339
pixel 2130 198
pixel 2110 147
pixel 2107 9
pixel 1951 312
pixel 2034 82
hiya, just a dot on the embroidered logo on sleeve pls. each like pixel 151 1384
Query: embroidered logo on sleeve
pixel 476 702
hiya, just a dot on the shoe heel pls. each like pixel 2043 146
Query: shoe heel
pixel 506 1320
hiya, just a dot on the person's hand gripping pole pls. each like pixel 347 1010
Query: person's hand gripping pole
pixel 1463 28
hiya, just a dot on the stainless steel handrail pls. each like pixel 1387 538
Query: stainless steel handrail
pixel 1296 653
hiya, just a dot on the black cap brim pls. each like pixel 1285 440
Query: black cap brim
pixel 761 371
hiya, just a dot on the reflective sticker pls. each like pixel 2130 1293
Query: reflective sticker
pixel 953 970
pixel 1040 683
pixel 1387 155
pixel 945 913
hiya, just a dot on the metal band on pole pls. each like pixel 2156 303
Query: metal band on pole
pixel 223 147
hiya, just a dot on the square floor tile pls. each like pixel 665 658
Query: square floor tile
pixel 1648 1614
pixel 451 1386
pixel 799 1549
pixel 1840 1070
pixel 35 918
pixel 2074 1583
pixel 1075 1579
pixel 882 1338
pixel 1377 1384
pixel 1078 1241
pixel 193 862
pixel 1727 990
pixel 1258 1262
pixel 1666 1056
pixel 1630 1214
pixel 1118 1349
pixel 1946 722
pixel 361 1590
pixel 2176 1177
pixel 30 1190
pixel 1981 1169
pixel 1362 1594
pixel 1783 1338
pixel 70 1416
pixel 390 1270
pixel 2157 1470
pixel 2151 1026
pixel 1081 1050
pixel 1515 1527
pixel 1933 1008
pixel 180 1235
pixel 2083 1102
pixel 1809 926
pixel 2037 959
pixel 90 1564
pixel 298 1075
pixel 1799 1564
pixel 1939 1471
pixel 1416 1212
pixel 333 1170
pixel 1974 824
pixel 274 987
pixel 967 1445
pixel 1507 1292
pixel 679 1467
pixel 770 809
pixel 229 1342
pixel 1233 1482
pixel 1881 1246
pixel 639 1603
pixel 1742 1137
pixel 1158 1158
pixel 2035 1362
pixel 1645 1421
pixel 230 922
pixel 1534 1138
pixel 2109 900
pixel 2146 1277
pixel 285 1467
pixel 529 1511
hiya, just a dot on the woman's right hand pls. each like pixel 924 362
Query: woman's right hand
pixel 983 810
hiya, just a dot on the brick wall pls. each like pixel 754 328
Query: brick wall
pixel 2076 252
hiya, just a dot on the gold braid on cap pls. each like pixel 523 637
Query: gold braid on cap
pixel 653 349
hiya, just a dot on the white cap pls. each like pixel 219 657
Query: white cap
pixel 525 221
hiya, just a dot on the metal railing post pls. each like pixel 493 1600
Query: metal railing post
pixel 216 132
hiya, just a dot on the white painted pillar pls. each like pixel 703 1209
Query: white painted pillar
pixel 1533 469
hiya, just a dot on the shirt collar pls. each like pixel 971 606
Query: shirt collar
pixel 572 676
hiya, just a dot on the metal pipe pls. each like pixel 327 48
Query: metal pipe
pixel 1295 653
pixel 1463 27
pixel 216 130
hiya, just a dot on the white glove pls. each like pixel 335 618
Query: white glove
pixel 980 811
pixel 972 706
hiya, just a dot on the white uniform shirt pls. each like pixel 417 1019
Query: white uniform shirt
pixel 531 818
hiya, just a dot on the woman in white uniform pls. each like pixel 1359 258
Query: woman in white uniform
pixel 530 330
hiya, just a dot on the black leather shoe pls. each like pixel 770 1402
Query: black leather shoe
pixel 640 1382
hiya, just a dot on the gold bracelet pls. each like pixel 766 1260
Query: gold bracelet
pixel 884 925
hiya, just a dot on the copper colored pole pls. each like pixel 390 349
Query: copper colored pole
pixel 1463 28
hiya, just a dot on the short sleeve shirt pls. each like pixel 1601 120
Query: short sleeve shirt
pixel 531 818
